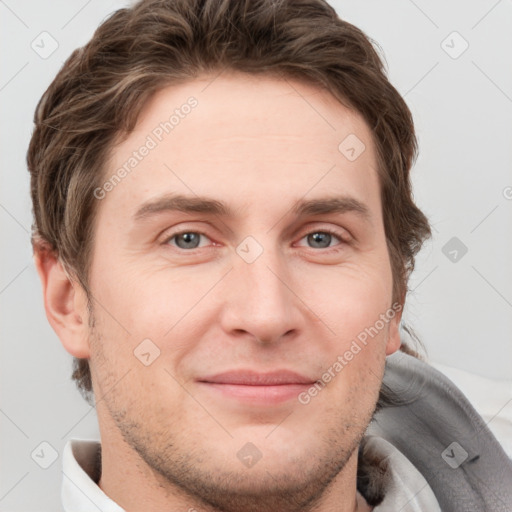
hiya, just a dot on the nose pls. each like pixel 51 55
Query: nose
pixel 260 302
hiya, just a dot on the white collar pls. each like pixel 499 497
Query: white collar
pixel 405 487
pixel 79 491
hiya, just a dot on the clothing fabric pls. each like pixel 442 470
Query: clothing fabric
pixel 81 471
pixel 428 419
pixel 431 450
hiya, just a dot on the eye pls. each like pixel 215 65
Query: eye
pixel 319 239
pixel 186 239
pixel 322 239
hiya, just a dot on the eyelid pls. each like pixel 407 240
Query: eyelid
pixel 325 227
pixel 169 233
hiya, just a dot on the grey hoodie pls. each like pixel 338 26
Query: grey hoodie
pixel 428 420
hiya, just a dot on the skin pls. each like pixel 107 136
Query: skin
pixel 168 441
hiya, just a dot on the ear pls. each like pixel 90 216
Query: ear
pixel 394 340
pixel 65 302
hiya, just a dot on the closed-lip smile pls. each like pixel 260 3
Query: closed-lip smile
pixel 263 388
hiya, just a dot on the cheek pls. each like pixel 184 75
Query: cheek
pixel 350 298
pixel 148 314
pixel 353 303
pixel 150 301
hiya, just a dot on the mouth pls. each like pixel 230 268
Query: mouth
pixel 257 388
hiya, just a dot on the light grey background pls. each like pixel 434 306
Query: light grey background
pixel 462 108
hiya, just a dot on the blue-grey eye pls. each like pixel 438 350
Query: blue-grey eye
pixel 320 239
pixel 190 240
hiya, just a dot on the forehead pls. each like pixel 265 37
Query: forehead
pixel 235 105
pixel 244 136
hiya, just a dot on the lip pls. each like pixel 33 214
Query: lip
pixel 253 378
pixel 258 388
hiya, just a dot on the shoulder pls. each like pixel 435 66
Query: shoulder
pixel 430 421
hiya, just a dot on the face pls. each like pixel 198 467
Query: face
pixel 245 239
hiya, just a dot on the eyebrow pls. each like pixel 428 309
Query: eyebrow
pixel 200 204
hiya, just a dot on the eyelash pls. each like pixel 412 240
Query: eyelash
pixel 331 232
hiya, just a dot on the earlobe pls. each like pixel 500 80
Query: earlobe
pixel 394 340
pixel 65 303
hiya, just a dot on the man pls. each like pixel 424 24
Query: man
pixel 224 229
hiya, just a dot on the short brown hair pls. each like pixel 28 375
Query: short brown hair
pixel 100 90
